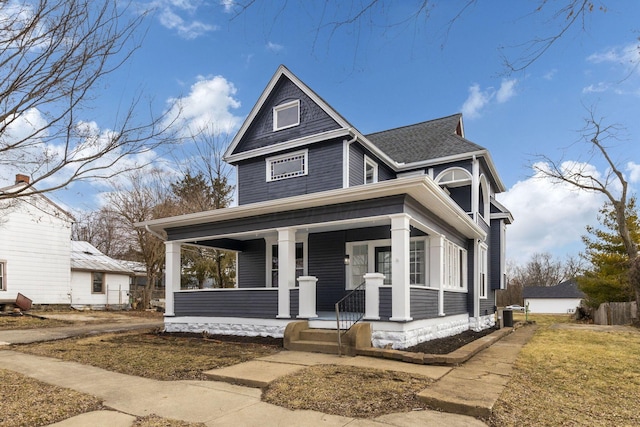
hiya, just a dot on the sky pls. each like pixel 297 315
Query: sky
pixel 391 69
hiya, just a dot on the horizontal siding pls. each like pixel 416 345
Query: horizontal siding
pixel 424 303
pixel 313 119
pixel 356 166
pixel 252 268
pixel 455 303
pixel 385 303
pixel 495 250
pixel 294 302
pixel 326 262
pixel 487 306
pixel 324 172
pixel 261 303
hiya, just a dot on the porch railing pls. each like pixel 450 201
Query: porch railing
pixel 349 310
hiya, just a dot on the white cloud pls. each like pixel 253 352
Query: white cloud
pixel 274 47
pixel 634 172
pixel 208 104
pixel 228 5
pixel 478 99
pixel 626 55
pixel 598 88
pixel 549 217
pixel 506 91
pixel 178 15
pixel 550 74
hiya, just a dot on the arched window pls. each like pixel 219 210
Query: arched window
pixel 454 177
pixel 483 198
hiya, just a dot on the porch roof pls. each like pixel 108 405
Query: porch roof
pixel 421 188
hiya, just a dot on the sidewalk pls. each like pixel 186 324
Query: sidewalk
pixel 470 389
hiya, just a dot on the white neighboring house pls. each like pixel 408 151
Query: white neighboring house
pixel 97 281
pixel 35 248
pixel 562 298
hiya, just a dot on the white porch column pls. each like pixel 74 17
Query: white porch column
pixel 286 269
pixel 307 303
pixel 436 269
pixel 172 276
pixel 400 291
pixel 373 281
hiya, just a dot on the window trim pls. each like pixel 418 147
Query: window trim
pixel 103 284
pixel 483 277
pixel 3 275
pixel 305 165
pixel 285 106
pixel 270 243
pixel 368 161
pixel 455 182
pixel 455 267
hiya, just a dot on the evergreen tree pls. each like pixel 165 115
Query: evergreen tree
pixel 607 279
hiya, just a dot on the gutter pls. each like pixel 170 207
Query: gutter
pixel 158 235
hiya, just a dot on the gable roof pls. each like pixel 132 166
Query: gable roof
pixel 567 289
pixel 428 140
pixel 85 257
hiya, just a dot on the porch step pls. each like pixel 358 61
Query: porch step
pixel 316 346
pixel 321 335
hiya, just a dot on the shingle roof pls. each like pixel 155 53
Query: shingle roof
pixel 568 289
pixel 85 256
pixel 428 140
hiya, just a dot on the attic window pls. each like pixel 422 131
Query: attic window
pixel 454 177
pixel 286 115
pixel 287 166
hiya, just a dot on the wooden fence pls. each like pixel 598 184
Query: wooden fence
pixel 615 313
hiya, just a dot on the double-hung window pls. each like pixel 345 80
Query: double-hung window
pixel 417 263
pixel 97 283
pixel 3 276
pixel 482 267
pixel 370 171
pixel 455 267
pixel 286 115
pixel 288 165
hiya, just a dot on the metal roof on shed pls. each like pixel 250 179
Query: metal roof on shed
pixel 84 256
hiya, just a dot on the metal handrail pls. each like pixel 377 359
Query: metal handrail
pixel 349 310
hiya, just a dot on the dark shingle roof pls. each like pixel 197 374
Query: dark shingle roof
pixel 568 289
pixel 428 140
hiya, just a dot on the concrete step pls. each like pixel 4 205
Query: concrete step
pixel 315 346
pixel 325 335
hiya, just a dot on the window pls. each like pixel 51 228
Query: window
pixel 483 198
pixel 370 171
pixel 482 267
pixel 455 266
pixel 286 115
pixel 359 264
pixel 454 177
pixel 417 263
pixel 97 283
pixel 274 263
pixel 3 277
pixel 287 166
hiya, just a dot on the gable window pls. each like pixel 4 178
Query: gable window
pixel 454 177
pixel 286 115
pixel 287 166
pixel 97 283
pixel 3 277
pixel 370 171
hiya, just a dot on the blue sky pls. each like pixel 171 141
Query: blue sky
pixel 379 76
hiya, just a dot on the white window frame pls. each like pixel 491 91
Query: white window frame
pixel 285 106
pixel 455 182
pixel 3 275
pixel 270 161
pixel 454 267
pixel 368 161
pixel 484 190
pixel 103 286
pixel 483 277
pixel 371 258
pixel 270 242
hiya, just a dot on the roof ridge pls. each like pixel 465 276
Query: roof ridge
pixel 416 124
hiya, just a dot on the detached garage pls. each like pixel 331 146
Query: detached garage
pixel 560 299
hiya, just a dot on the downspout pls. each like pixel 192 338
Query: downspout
pixel 345 159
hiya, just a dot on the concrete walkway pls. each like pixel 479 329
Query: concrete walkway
pixel 461 392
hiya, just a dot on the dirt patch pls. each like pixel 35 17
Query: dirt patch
pixel 448 344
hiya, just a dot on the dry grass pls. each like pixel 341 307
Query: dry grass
pixel 30 403
pixel 347 391
pixel 156 421
pixel 150 355
pixel 8 322
pixel 569 377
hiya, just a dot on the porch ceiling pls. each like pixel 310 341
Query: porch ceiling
pixel 422 189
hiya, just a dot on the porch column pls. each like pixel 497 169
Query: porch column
pixel 307 285
pixel 286 269
pixel 400 290
pixel 172 276
pixel 373 281
pixel 436 269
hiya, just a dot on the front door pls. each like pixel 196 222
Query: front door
pixel 383 262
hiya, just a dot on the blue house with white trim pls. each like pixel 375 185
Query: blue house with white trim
pixel 410 213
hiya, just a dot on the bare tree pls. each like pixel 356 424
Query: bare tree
pixel 143 198
pixel 104 230
pixel 613 185
pixel 53 57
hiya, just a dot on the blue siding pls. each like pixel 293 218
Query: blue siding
pixel 424 303
pixel 313 119
pixel 261 303
pixel 495 250
pixel 462 196
pixel 252 265
pixel 385 303
pixel 455 303
pixel 324 173
pixel 487 306
pixel 356 166
pixel 326 262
